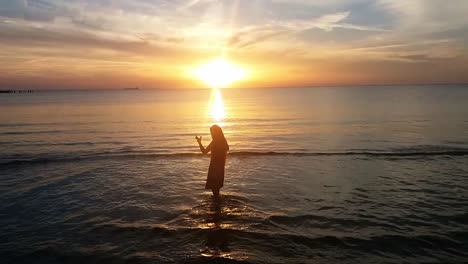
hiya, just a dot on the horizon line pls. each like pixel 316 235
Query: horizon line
pixel 259 87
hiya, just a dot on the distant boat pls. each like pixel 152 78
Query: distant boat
pixel 130 88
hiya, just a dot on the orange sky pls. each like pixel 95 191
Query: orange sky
pixel 51 44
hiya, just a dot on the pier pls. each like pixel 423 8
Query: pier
pixel 17 91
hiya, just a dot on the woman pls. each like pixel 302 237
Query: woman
pixel 219 148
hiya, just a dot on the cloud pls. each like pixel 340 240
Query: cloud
pixel 305 32
pixel 261 35
pixel 191 3
pixel 427 16
pixel 327 22
pixel 34 10
pixel 26 36
pixel 307 29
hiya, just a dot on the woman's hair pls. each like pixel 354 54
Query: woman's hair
pixel 218 137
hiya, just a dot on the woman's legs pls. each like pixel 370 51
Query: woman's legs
pixel 215 192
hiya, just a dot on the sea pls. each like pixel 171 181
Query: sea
pixel 370 174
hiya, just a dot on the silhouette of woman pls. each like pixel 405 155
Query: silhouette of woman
pixel 219 148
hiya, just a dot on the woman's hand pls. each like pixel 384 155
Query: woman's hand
pixel 203 149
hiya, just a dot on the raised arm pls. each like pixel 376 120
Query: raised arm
pixel 203 149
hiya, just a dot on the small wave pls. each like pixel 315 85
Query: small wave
pixel 136 244
pixel 129 154
pixel 460 152
pixel 13 125
pixel 278 239
pixel 83 143
pixel 317 221
pixel 29 124
pixel 31 132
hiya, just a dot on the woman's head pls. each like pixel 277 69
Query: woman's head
pixel 219 140
pixel 217 133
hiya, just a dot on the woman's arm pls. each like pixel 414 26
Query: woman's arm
pixel 203 149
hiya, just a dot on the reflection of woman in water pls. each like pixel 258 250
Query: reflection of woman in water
pixel 219 148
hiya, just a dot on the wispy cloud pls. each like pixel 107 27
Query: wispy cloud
pixel 326 22
pixel 273 29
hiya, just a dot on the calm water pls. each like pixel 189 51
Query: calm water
pixel 321 175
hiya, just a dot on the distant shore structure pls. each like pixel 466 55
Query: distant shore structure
pixel 17 91
pixel 132 88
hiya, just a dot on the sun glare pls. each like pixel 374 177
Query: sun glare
pixel 220 73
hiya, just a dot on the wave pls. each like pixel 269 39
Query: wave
pixel 354 153
pixel 178 241
pixel 134 243
pixel 131 154
pixel 31 132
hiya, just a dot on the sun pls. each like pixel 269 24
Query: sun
pixel 219 73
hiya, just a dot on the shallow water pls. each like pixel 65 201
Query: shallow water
pixel 323 175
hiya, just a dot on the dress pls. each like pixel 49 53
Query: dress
pixel 215 179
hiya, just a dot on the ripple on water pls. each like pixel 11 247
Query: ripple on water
pixel 157 211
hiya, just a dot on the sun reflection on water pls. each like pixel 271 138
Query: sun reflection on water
pixel 217 111
pixel 219 220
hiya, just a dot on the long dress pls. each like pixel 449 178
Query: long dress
pixel 215 179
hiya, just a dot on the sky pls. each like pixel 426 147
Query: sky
pixel 52 44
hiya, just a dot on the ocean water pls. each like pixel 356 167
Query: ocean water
pixel 319 175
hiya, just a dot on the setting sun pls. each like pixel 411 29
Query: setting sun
pixel 220 73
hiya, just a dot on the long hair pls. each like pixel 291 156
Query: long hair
pixel 219 141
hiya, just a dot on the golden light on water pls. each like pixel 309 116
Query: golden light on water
pixel 220 73
pixel 217 106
